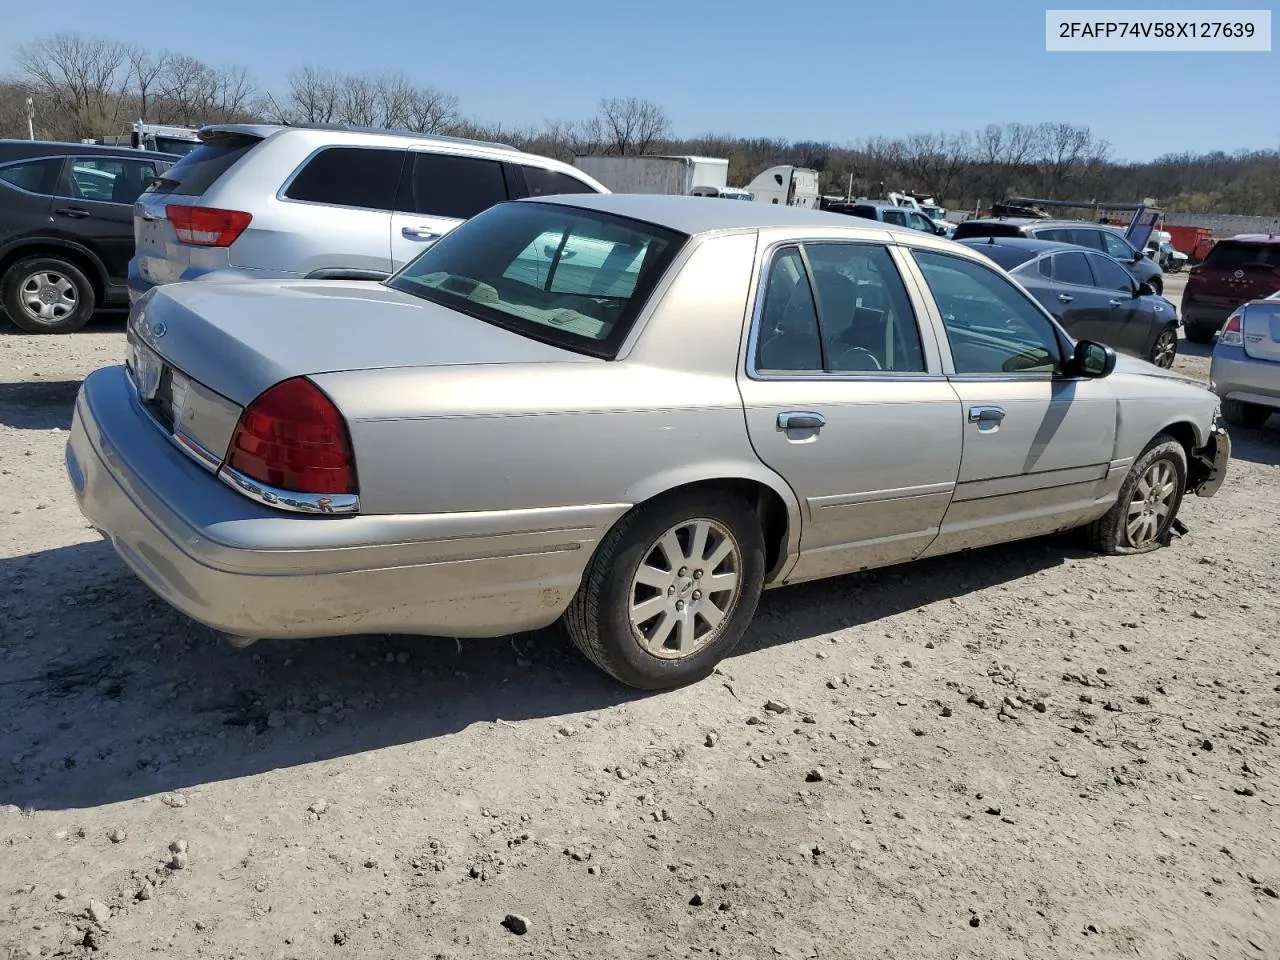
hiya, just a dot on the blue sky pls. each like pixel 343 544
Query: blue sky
pixel 835 70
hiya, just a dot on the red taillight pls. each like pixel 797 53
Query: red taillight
pixel 1232 334
pixel 292 437
pixel 207 226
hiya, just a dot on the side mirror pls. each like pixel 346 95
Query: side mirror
pixel 1145 289
pixel 1093 360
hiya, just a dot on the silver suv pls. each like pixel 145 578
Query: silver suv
pixel 261 200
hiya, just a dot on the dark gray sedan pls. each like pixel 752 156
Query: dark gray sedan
pixel 1091 294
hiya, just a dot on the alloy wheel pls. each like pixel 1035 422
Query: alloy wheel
pixel 685 588
pixel 1165 350
pixel 1150 509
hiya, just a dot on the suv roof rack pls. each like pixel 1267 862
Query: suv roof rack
pixel 352 128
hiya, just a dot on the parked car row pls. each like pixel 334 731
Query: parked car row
pixel 85 225
pixel 561 411
pixel 66 228
pixel 1091 294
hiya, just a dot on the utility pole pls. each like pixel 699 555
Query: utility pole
pixel 31 114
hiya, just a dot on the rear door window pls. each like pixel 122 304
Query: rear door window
pixel 896 217
pixel 456 187
pixel 34 176
pixel 544 183
pixel 362 177
pixel 1072 268
pixel 107 179
pixel 198 170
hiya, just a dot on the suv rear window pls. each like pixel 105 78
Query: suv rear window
pixel 863 210
pixel 364 177
pixel 570 277
pixel 196 172
pixel 1241 254
pixel 542 182
pixel 978 228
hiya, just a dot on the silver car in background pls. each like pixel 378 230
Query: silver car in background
pixel 628 413
pixel 322 201
pixel 1245 369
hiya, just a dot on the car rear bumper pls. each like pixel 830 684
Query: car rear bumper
pixel 1205 314
pixel 1233 375
pixel 243 568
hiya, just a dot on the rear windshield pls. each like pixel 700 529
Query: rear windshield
pixel 1241 254
pixel 1007 257
pixel 564 275
pixel 979 228
pixel 195 173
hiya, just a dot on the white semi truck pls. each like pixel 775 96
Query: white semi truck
pixel 787 186
pixel 677 176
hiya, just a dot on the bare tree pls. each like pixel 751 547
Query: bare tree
pixel 145 69
pixel 81 79
pixel 432 111
pixel 632 125
pixel 1064 150
pixel 358 101
pixel 394 96
pixel 313 95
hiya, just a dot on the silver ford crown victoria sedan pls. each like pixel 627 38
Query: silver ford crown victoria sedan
pixel 628 413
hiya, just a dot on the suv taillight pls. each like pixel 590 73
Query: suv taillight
pixel 1232 334
pixel 293 438
pixel 207 226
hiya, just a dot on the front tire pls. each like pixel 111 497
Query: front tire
pixel 1157 284
pixel 47 295
pixel 1148 502
pixel 1165 349
pixel 1248 415
pixel 670 590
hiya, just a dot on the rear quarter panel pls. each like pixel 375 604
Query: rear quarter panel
pixel 524 436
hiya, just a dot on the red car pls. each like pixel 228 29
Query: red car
pixel 1239 269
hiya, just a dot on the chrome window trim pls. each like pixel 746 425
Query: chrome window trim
pixel 820 376
pixel 341 504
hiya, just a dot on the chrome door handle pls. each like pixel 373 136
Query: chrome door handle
pixel 1115 303
pixel 1063 298
pixel 801 421
pixel 75 213
pixel 985 414
pixel 418 233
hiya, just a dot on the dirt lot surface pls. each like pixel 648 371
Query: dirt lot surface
pixel 1030 751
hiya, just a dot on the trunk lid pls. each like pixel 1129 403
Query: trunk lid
pixel 237 339
pixel 1260 325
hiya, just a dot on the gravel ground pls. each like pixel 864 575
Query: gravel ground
pixel 1030 751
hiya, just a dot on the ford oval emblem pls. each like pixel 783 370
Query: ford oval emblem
pixel 159 329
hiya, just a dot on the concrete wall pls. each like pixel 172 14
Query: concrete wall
pixel 1225 224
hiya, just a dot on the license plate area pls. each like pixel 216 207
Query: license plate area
pixel 161 388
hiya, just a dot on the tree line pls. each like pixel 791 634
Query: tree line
pixel 90 87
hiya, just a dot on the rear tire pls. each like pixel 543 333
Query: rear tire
pixel 648 611
pixel 1199 334
pixel 1248 415
pixel 1165 349
pixel 47 295
pixel 1148 502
